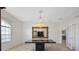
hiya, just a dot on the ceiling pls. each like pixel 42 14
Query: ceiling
pixel 55 14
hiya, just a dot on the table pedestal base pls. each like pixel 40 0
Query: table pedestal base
pixel 40 46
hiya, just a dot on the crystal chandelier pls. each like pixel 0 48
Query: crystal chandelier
pixel 40 21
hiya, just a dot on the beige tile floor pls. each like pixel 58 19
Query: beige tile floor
pixel 48 47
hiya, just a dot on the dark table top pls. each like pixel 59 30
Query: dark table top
pixel 40 41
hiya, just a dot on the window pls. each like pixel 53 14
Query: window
pixel 5 31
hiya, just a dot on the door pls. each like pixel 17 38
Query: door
pixel 77 37
pixel 71 36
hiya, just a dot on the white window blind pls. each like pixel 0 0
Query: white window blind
pixel 5 31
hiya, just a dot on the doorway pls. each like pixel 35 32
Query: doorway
pixel 64 37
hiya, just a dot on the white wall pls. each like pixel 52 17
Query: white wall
pixel 16 30
pixel 55 32
pixel 53 28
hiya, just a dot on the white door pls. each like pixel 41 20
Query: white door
pixel 77 37
pixel 70 37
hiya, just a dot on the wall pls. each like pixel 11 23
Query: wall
pixel 53 28
pixel 16 30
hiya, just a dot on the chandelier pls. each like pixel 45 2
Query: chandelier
pixel 40 21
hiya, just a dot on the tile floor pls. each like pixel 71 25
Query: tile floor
pixel 48 47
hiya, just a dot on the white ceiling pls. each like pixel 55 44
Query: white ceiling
pixel 56 14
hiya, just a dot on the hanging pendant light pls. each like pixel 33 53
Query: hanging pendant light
pixel 40 21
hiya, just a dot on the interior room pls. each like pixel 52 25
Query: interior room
pixel 40 29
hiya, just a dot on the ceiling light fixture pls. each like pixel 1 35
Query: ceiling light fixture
pixel 40 21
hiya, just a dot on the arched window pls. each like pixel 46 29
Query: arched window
pixel 5 31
